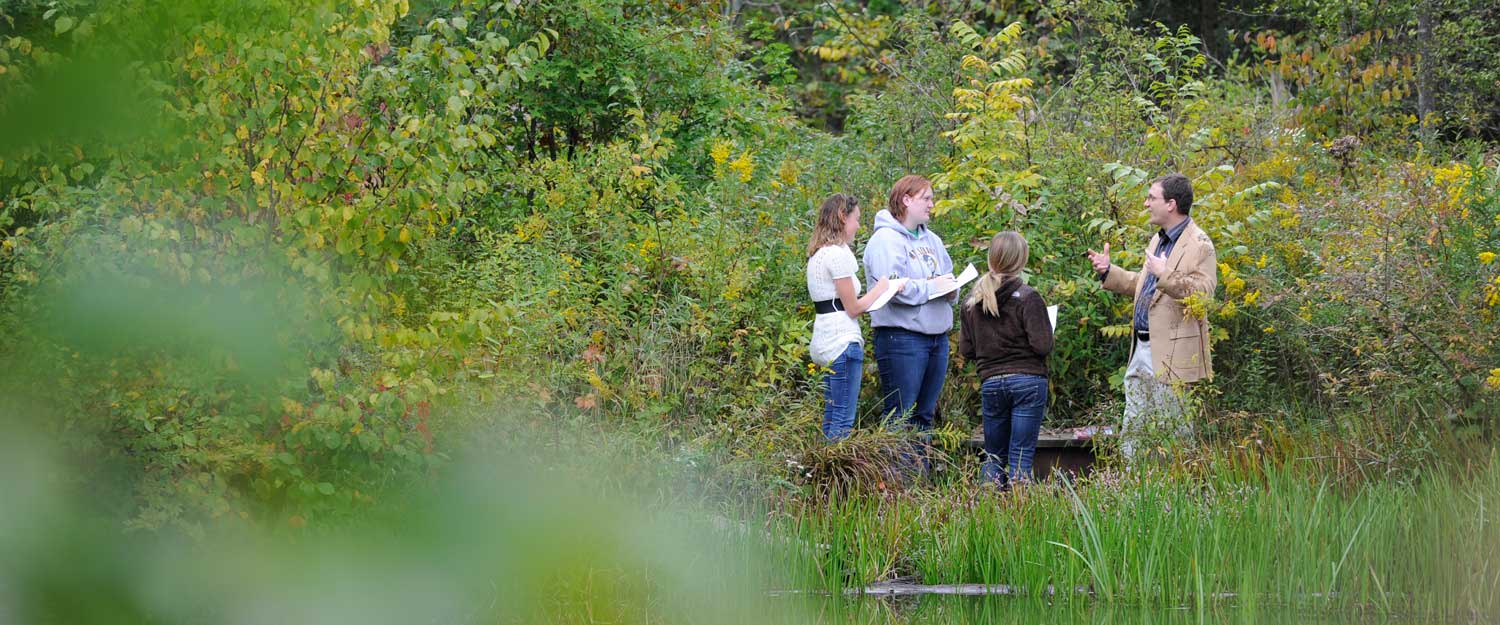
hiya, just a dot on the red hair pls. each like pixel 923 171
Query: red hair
pixel 904 188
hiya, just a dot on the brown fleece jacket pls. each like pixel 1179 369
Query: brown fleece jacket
pixel 1016 341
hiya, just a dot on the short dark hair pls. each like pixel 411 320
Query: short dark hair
pixel 1175 186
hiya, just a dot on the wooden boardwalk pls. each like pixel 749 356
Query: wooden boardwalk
pixel 1068 449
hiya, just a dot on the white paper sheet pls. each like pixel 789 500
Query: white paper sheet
pixel 968 275
pixel 890 291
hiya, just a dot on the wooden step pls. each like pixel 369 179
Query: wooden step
pixel 1069 449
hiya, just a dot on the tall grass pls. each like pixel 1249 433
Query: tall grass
pixel 1225 532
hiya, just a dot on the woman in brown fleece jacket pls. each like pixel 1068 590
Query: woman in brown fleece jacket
pixel 1006 334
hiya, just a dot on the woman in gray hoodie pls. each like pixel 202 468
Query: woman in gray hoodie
pixel 911 332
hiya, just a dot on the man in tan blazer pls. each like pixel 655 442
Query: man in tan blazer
pixel 1171 346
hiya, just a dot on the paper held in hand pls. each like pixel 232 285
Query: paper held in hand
pixel 968 275
pixel 890 291
pixel 1052 317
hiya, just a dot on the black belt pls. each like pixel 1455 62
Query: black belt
pixel 828 305
pixel 1143 336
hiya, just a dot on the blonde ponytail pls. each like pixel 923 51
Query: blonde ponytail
pixel 1008 254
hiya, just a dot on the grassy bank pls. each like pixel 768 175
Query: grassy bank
pixel 1221 531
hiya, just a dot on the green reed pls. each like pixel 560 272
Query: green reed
pixel 1222 532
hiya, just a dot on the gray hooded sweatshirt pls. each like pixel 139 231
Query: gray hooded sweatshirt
pixel 895 252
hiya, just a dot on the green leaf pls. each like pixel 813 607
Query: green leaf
pixel 64 24
pixel 325 488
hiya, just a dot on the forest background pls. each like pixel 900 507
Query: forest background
pixel 265 261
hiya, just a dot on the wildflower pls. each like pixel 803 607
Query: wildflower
pixel 1251 297
pixel 1458 174
pixel 1197 305
pixel 1486 257
pixel 788 173
pixel 743 165
pixel 720 152
pixel 1455 180
pixel 1494 380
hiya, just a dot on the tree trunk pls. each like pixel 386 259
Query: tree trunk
pixel 1208 23
pixel 732 9
pixel 1424 66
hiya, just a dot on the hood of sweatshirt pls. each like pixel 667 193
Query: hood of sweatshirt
pixel 1008 288
pixel 884 219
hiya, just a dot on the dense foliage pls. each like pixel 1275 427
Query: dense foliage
pixel 265 268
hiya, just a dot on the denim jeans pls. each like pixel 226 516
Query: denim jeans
pixel 912 368
pixel 1013 407
pixel 841 397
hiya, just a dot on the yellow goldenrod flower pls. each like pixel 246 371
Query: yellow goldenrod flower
pixel 1197 305
pixel 744 166
pixel 1455 180
pixel 788 173
pixel 720 152
pixel 1486 257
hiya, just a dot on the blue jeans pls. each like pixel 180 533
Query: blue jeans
pixel 912 368
pixel 1012 406
pixel 841 398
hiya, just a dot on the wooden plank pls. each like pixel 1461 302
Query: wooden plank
pixel 1051 439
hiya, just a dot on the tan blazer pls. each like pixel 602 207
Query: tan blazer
pixel 1179 345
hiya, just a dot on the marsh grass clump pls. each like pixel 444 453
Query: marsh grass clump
pixel 869 461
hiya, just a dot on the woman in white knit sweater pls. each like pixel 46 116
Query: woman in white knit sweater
pixel 833 284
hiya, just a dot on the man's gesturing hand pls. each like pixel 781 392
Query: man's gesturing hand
pixel 1100 259
pixel 1157 265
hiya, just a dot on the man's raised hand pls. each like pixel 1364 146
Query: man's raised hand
pixel 1100 259
pixel 1157 265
